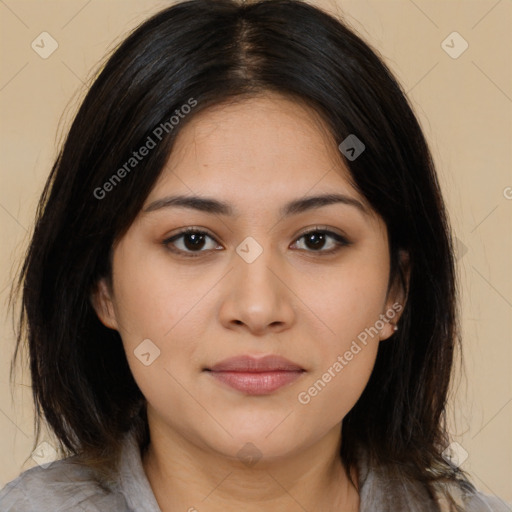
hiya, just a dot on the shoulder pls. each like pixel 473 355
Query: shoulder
pixel 480 502
pixel 388 490
pixel 469 499
pixel 62 486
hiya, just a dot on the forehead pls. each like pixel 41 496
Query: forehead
pixel 264 149
pixel 265 131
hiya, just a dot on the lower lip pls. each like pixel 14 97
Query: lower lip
pixel 257 383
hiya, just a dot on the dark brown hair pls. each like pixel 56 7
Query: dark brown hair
pixel 216 51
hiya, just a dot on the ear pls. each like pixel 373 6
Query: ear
pixel 102 302
pixel 397 296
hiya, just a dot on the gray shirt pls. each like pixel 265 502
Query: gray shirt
pixel 67 486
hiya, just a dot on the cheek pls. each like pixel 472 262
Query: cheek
pixel 349 301
pixel 348 307
pixel 333 392
pixel 155 316
pixel 151 297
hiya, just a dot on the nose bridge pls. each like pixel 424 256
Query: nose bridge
pixel 258 297
pixel 254 262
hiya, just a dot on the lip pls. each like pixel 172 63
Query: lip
pixel 256 376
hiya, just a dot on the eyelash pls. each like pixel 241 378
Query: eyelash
pixel 340 240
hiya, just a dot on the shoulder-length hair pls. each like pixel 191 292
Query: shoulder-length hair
pixel 205 52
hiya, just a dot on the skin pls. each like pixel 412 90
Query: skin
pixel 292 300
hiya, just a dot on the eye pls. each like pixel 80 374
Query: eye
pixel 189 241
pixel 316 240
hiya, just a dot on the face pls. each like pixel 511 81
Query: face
pixel 307 283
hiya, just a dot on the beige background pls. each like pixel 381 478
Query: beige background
pixel 464 105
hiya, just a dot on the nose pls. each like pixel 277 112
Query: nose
pixel 258 297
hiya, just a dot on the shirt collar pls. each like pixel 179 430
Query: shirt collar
pixel 133 482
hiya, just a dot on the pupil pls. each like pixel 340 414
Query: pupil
pixel 197 240
pixel 317 239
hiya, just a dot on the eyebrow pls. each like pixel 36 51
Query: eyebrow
pixel 214 206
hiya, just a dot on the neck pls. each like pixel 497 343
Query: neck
pixel 186 477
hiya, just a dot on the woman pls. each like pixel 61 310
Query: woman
pixel 240 291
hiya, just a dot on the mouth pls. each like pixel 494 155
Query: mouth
pixel 256 376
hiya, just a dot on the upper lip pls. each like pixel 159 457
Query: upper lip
pixel 255 364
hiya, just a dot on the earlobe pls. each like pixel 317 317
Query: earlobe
pixel 102 302
pixel 388 330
